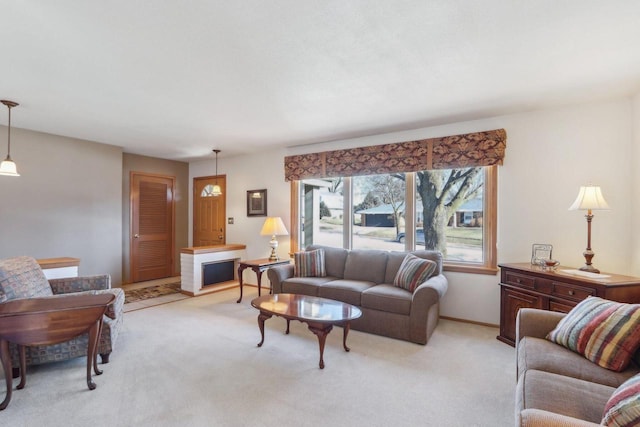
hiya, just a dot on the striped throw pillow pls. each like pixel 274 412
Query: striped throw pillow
pixel 605 332
pixel 623 407
pixel 413 271
pixel 309 264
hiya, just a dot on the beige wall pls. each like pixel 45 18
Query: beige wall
pixel 151 165
pixel 67 201
pixel 550 153
pixel 634 195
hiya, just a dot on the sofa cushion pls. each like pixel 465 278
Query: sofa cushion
pixel 22 277
pixel 413 271
pixel 349 291
pixel 309 264
pixel 561 395
pixel 368 265
pixel 605 332
pixel 305 285
pixel 543 355
pixel 389 298
pixel 334 259
pixel 623 407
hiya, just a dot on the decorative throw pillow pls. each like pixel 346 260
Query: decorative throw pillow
pixel 309 264
pixel 623 407
pixel 605 332
pixel 413 271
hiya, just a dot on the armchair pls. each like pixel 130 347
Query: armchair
pixel 22 277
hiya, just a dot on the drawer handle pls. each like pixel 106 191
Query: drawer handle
pixel 571 292
pixel 518 281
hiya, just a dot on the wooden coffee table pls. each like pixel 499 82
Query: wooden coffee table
pixel 320 315
pixel 46 321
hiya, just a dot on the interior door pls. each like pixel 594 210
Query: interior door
pixel 152 226
pixel 209 212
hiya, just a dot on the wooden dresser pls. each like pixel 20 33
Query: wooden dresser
pixel 526 285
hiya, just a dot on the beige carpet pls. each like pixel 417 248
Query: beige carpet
pixel 195 362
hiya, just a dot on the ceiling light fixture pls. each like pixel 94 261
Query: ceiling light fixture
pixel 8 166
pixel 216 188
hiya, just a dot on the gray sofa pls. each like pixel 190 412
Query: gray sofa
pixel 364 278
pixel 557 387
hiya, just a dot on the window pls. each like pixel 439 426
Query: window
pixel 389 212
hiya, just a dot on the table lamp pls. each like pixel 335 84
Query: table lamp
pixel 589 199
pixel 273 226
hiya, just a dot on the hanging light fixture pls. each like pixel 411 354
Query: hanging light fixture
pixel 216 188
pixel 8 166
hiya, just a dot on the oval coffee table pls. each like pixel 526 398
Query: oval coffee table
pixel 320 314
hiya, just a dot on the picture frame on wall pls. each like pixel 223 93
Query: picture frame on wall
pixel 257 202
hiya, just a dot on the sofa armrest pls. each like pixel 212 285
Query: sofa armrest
pixel 539 418
pixel 279 274
pixel 532 322
pixel 78 284
pixel 430 291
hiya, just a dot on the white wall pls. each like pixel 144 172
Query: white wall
pixel 67 201
pixel 550 153
pixel 635 193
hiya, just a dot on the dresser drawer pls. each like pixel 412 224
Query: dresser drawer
pixel 520 280
pixel 569 291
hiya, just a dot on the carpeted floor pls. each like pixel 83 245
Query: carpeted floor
pixel 195 362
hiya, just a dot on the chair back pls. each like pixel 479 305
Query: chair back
pixel 22 277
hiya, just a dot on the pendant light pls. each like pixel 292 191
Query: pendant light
pixel 216 188
pixel 8 166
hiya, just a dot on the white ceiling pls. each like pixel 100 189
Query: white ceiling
pixel 174 79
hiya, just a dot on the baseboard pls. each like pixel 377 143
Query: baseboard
pixel 473 322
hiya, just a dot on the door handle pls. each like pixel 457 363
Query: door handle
pixel 135 236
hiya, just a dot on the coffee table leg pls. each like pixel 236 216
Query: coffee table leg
pixel 261 318
pixel 321 331
pixel 6 366
pixel 345 331
pixel 287 331
pixel 95 353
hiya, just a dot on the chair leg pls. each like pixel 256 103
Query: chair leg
pixel 104 357
pixel 15 372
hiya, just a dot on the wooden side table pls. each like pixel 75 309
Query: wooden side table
pixel 259 266
pixel 46 321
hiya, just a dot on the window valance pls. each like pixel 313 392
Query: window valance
pixel 458 151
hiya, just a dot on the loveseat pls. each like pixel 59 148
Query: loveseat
pixel 364 278
pixel 22 277
pixel 557 386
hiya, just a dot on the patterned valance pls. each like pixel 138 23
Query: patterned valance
pixel 458 151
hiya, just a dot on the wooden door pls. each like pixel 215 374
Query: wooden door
pixel 152 226
pixel 209 212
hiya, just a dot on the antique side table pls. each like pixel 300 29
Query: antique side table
pixel 46 321
pixel 259 266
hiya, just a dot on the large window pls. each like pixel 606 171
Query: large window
pixel 451 210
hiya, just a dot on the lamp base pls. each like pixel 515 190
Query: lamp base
pixel 274 245
pixel 590 268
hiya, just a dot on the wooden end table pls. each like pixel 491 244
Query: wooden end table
pixel 46 321
pixel 258 266
pixel 320 315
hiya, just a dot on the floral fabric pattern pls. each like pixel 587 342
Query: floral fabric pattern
pixel 466 150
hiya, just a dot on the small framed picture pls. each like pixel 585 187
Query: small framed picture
pixel 540 253
pixel 257 202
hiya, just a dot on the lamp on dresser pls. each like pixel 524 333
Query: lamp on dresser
pixel 589 199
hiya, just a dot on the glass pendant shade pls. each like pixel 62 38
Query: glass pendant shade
pixel 216 190
pixel 8 167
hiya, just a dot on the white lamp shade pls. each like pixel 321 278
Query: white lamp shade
pixel 273 226
pixel 589 198
pixel 8 167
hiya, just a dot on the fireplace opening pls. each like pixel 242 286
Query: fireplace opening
pixel 218 272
